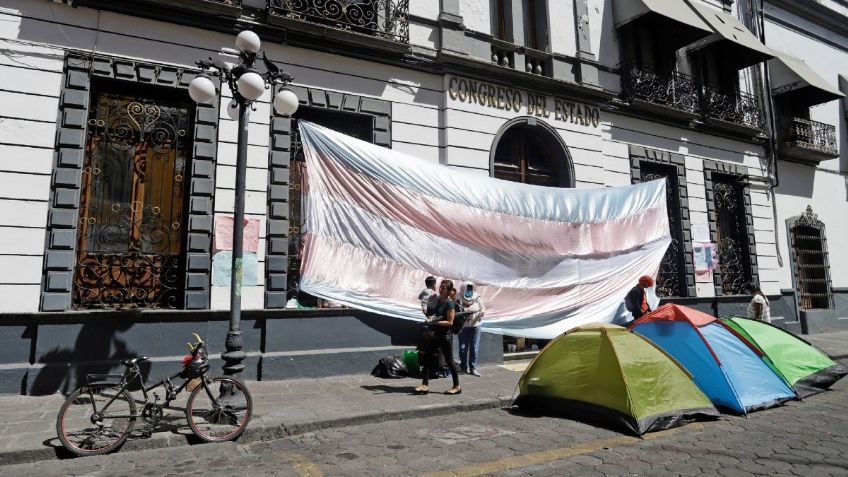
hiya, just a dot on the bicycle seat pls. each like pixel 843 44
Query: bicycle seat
pixel 134 361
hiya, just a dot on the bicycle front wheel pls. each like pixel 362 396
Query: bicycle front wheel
pixel 96 419
pixel 219 409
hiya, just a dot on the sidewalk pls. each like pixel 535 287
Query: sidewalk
pixel 281 408
pixel 292 407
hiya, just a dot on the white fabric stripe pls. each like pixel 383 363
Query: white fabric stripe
pixel 358 278
pixel 401 243
pixel 548 203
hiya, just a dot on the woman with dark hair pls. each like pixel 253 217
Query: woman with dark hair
pixel 758 308
pixel 440 316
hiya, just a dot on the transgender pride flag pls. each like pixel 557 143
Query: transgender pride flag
pixel 544 259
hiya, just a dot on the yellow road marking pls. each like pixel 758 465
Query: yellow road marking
pixel 303 466
pixel 519 367
pixel 535 458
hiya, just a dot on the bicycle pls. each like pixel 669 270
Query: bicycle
pixel 99 416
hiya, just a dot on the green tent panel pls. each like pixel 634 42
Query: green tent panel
pixel 605 373
pixel 799 363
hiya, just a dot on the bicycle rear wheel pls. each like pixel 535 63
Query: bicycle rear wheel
pixel 219 409
pixel 86 432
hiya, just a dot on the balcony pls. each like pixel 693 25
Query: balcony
pixel 806 140
pixel 673 94
pixel 382 24
pixel 732 110
pixel 538 62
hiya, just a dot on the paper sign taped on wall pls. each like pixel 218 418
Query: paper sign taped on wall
pixel 222 263
pixel 223 237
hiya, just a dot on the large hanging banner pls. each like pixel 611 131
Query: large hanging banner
pixel 545 260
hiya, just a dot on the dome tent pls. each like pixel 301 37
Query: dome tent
pixel 726 366
pixel 805 368
pixel 604 373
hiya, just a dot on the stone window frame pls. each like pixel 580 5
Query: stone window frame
pixel 277 219
pixel 809 219
pixel 638 155
pixel 80 70
pixel 740 171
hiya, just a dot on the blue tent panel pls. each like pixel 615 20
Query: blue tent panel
pixel 682 341
pixel 756 384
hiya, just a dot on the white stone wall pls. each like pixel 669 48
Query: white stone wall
pixel 426 123
pixel 34 37
pixel 823 187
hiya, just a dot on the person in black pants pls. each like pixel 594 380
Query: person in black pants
pixel 440 316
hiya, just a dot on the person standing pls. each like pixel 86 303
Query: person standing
pixel 636 300
pixel 758 308
pixel 440 315
pixel 469 336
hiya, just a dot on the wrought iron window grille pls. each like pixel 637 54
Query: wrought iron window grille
pixel 130 232
pixel 812 267
pixel 732 236
pixel 671 276
pixel 387 19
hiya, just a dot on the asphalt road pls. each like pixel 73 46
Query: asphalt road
pixel 807 439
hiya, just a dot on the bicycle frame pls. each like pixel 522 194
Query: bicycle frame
pixel 132 374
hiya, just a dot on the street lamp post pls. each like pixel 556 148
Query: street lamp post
pixel 246 85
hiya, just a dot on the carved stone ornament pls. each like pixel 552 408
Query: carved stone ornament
pixel 809 219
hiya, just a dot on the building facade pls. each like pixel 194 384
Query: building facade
pixel 117 188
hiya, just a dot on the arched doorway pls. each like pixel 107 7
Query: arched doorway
pixel 530 151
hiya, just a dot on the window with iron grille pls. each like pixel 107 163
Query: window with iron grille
pixel 731 233
pixel 130 235
pixel 808 245
pixel 671 278
pixel 359 126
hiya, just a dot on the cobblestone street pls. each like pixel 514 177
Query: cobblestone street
pixel 807 439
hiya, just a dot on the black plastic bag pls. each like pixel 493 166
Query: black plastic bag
pixel 390 367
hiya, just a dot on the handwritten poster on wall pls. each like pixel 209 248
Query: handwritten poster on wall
pixel 223 237
pixel 704 260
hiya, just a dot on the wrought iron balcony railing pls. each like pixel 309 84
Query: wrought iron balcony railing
pixel 387 19
pixel 810 135
pixel 734 107
pixel 675 90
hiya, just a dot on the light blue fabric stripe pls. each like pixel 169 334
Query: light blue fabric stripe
pixel 455 185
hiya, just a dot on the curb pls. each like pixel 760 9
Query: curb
pixel 265 432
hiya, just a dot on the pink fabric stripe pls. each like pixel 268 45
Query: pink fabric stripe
pixel 484 228
pixel 381 279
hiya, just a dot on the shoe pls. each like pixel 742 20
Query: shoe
pixel 452 391
pixel 474 372
pixel 422 389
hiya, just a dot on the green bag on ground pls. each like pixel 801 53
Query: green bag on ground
pixel 410 359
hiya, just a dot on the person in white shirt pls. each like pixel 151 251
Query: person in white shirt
pixel 758 308
pixel 469 336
